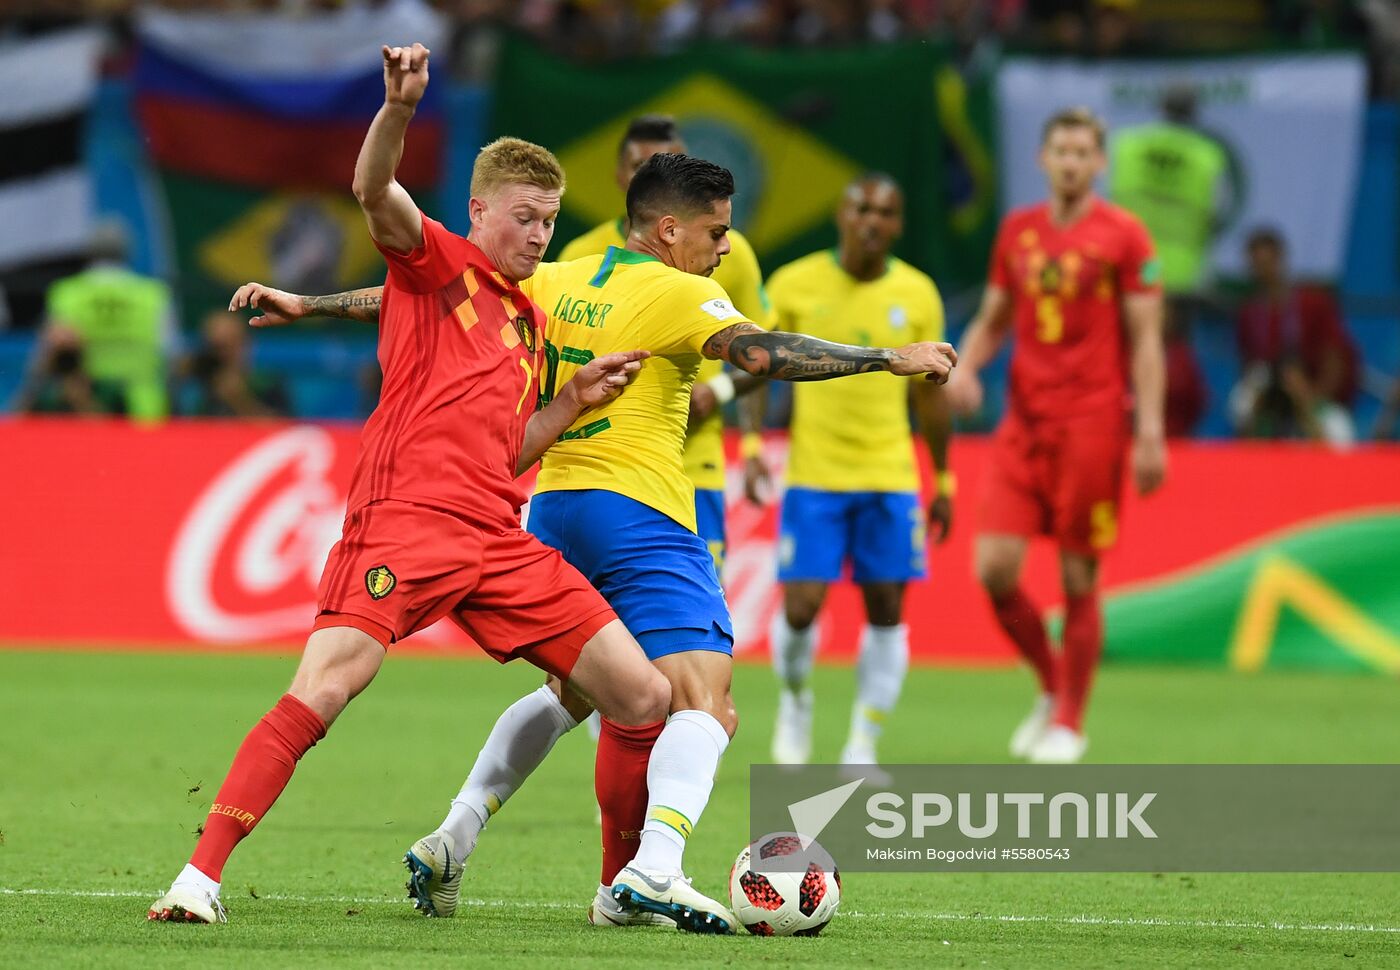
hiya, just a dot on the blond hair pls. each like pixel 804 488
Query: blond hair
pixel 1079 117
pixel 508 161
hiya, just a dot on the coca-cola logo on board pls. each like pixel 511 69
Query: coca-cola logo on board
pixel 249 553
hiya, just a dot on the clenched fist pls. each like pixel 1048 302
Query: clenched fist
pixel 935 359
pixel 405 74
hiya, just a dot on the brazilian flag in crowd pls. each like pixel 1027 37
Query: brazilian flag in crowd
pixel 794 126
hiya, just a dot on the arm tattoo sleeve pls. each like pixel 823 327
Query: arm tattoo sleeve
pixel 362 305
pixel 792 356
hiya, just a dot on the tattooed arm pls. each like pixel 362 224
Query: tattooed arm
pixel 280 307
pixel 796 357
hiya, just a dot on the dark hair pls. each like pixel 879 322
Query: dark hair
pixel 1265 236
pixel 678 185
pixel 1075 118
pixel 649 128
pixel 1179 103
pixel 874 177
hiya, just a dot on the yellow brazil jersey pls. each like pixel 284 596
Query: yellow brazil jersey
pixel 627 301
pixel 739 276
pixel 853 434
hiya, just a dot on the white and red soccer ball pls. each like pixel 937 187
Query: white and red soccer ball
pixel 796 903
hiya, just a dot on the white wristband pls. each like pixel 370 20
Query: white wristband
pixel 723 386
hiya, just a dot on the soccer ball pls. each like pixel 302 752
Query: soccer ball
pixel 784 903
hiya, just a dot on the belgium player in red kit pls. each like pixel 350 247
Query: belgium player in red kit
pixel 1075 279
pixel 432 525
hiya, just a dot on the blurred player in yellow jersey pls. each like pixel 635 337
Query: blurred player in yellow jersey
pixel 741 278
pixel 852 477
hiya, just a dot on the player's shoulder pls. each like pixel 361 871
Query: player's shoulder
pixel 740 246
pixel 683 293
pixel 594 242
pixel 440 233
pixel 682 285
pixel 907 276
pixel 1023 216
pixel 812 266
pixel 904 272
pixel 1117 216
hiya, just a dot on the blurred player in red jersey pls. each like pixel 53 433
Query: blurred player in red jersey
pixel 1077 279
pixel 432 525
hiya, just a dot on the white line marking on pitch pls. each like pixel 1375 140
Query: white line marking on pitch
pixel 1084 920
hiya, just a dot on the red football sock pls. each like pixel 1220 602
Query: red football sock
pixel 1022 623
pixel 620 780
pixel 261 769
pixel 1083 643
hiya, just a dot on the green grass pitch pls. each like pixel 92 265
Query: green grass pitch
pixel 108 763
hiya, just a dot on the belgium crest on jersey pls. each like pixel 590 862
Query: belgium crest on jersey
pixel 380 582
pixel 526 328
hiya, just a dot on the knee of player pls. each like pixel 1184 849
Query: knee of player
pixel 885 610
pixel 997 578
pixel 728 717
pixel 1079 583
pixel 326 695
pixel 651 702
pixel 801 612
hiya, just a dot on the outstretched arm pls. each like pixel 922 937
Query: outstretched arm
pixel 796 357
pixel 280 307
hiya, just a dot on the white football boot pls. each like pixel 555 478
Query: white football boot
pixel 1059 745
pixel 792 733
pixel 605 913
pixel 1029 731
pixel 671 895
pixel 187 904
pixel 434 877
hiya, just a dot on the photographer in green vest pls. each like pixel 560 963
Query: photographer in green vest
pixel 1181 182
pixel 124 321
pixel 1186 188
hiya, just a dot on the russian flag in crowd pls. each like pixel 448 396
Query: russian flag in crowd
pixel 277 101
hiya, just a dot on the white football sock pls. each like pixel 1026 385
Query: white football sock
pixel 793 652
pixel 884 660
pixel 517 744
pixel 680 776
pixel 190 876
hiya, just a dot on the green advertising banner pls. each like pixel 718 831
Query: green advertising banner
pixel 794 127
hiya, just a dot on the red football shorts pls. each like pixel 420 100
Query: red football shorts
pixel 400 567
pixel 1062 479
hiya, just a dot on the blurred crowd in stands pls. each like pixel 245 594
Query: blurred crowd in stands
pixel 110 345
pixel 613 29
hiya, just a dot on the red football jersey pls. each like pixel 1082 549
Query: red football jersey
pixel 461 350
pixel 1069 355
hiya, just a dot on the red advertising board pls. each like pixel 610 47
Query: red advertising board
pixel 213 534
